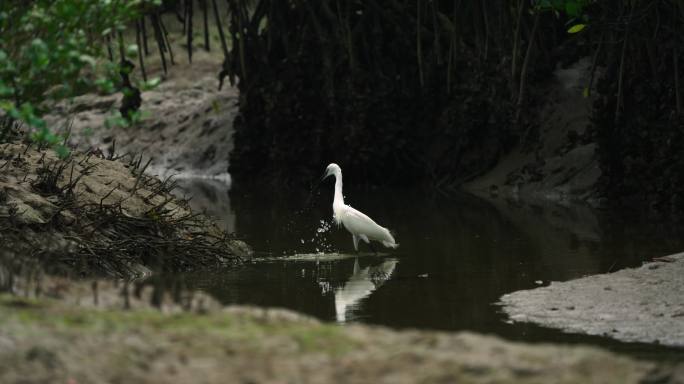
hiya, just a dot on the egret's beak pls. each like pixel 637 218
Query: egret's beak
pixel 320 181
pixel 325 175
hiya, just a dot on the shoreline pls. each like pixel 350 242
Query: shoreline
pixel 640 304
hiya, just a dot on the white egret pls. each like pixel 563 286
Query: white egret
pixel 356 222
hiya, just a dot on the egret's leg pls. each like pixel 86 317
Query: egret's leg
pixel 373 248
pixel 356 243
pixel 367 241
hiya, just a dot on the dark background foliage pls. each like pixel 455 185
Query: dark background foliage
pixel 396 91
pixel 402 92
pixel 637 119
pixel 342 82
pixel 411 92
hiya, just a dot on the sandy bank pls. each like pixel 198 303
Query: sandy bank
pixel 642 304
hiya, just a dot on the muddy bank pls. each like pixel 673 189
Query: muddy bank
pixel 642 304
pixel 187 123
pixel 186 130
pixel 244 344
pixel 562 165
pixel 98 214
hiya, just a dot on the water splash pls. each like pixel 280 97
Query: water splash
pixel 320 239
pixel 324 227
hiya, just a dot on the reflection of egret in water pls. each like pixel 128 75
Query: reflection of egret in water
pixel 360 285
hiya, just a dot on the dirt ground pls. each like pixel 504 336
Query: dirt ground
pixel 187 123
pixel 639 304
pixel 88 337
pixel 57 329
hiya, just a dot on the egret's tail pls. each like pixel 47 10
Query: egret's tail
pixel 389 241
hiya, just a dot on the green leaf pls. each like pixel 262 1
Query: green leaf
pixel 572 9
pixel 151 84
pixel 585 92
pixel 105 85
pixel 132 50
pixel 87 59
pixel 37 122
pixel 51 138
pixel 6 106
pixel 576 28
pixel 62 151
pixel 14 112
pixel 41 135
pixel 5 91
pixel 39 45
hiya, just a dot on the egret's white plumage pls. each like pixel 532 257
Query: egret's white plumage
pixel 356 222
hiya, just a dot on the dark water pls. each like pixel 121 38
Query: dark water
pixel 457 256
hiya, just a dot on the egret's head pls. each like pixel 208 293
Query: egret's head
pixel 331 169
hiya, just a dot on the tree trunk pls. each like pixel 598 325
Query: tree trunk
pixel 526 65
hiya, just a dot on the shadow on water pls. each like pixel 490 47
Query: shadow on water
pixel 457 256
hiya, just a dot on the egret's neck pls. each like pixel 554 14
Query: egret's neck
pixel 339 199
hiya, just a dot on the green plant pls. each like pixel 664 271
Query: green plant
pixel 51 50
pixel 573 9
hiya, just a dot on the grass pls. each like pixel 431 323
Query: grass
pixel 31 315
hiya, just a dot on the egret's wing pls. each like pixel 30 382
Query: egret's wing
pixel 358 215
pixel 357 222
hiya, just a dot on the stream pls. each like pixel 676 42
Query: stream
pixel 457 256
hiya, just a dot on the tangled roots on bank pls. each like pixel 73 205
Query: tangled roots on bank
pixel 117 242
pixel 101 215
